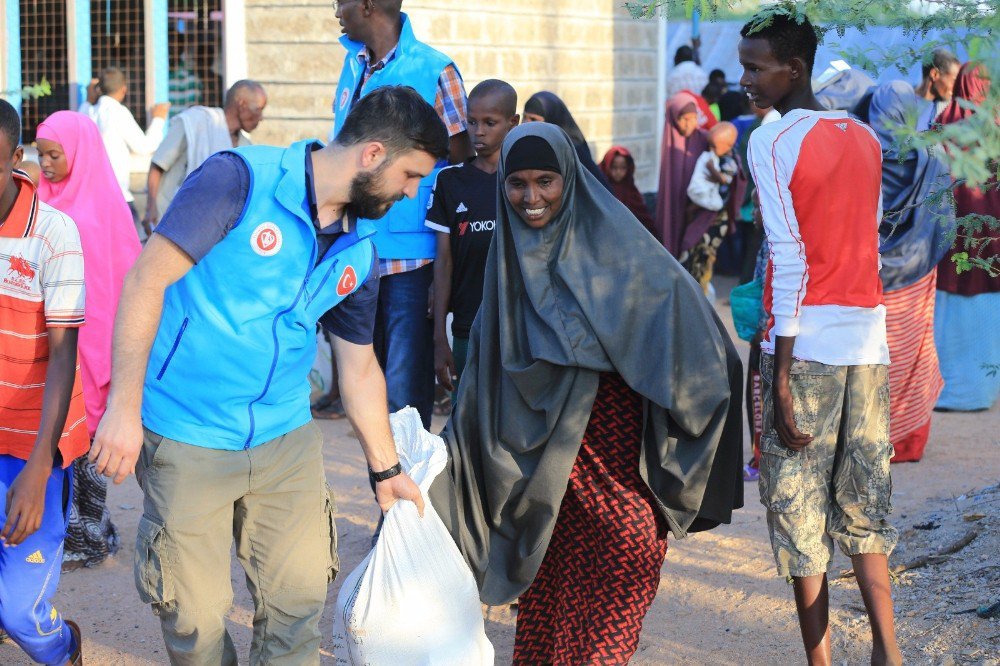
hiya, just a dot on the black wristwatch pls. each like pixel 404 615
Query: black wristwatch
pixel 395 470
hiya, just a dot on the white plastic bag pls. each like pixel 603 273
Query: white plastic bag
pixel 413 599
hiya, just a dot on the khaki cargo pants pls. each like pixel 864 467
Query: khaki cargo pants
pixel 273 501
pixel 837 488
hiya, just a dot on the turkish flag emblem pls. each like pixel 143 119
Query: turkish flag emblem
pixel 348 281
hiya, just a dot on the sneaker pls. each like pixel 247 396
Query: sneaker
pixel 750 473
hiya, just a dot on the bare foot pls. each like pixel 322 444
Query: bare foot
pixel 886 656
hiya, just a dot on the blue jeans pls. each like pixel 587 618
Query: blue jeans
pixel 404 340
pixel 29 572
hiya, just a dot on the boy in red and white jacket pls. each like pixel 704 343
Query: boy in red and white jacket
pixel 824 470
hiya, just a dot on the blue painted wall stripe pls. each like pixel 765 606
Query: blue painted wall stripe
pixel 161 72
pixel 13 39
pixel 81 77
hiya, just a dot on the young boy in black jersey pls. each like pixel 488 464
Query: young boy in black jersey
pixel 463 211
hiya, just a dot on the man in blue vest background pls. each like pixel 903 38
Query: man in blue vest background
pixel 214 342
pixel 382 50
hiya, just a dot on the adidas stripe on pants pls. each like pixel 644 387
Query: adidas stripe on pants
pixel 29 572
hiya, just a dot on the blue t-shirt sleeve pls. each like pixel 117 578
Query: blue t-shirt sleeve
pixel 208 205
pixel 353 319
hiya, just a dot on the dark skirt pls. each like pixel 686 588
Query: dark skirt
pixel 90 535
pixel 602 567
pixel 699 261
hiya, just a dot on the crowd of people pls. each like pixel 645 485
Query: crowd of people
pixel 450 243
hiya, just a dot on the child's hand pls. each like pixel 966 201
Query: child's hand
pixel 713 173
pixel 25 505
pixel 93 91
pixel 444 365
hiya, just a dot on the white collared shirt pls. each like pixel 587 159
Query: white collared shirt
pixel 123 137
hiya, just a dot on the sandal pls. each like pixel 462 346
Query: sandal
pixel 321 403
pixel 442 406
pixel 76 658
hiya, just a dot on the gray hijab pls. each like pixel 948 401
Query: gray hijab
pixel 590 292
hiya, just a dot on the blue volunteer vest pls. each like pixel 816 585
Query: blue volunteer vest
pixel 401 233
pixel 230 363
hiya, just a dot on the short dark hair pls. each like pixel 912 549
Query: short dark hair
pixel 111 80
pixel 711 93
pixel 791 35
pixel 398 118
pixel 683 54
pixel 504 93
pixel 940 59
pixel 717 74
pixel 239 89
pixel 10 124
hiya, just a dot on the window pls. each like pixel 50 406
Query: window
pixel 117 34
pixel 194 39
pixel 43 55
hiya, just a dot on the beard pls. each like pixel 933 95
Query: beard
pixel 368 200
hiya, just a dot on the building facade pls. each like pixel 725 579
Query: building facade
pixel 607 66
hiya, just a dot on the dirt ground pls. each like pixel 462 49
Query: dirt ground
pixel 720 601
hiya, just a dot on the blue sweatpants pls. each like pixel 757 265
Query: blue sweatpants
pixel 29 572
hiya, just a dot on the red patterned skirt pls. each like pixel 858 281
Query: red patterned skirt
pixel 914 375
pixel 602 568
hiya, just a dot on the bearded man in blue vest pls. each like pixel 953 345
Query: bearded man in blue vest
pixel 209 399
pixel 382 50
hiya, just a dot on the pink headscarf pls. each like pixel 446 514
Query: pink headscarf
pixel 90 194
pixel 678 156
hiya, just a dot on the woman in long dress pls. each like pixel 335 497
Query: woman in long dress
pixel 967 315
pixel 82 184
pixel 600 409
pixel 913 239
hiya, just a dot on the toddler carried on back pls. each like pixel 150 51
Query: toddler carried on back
pixel 715 169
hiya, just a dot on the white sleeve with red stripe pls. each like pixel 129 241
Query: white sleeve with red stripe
pixel 61 272
pixel 772 156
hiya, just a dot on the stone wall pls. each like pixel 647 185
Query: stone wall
pixel 592 54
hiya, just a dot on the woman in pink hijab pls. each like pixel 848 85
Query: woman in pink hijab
pixel 683 143
pixel 78 180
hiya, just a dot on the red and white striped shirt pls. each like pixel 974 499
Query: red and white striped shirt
pixel 41 287
pixel 819 178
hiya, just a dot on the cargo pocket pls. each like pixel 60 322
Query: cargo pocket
pixel 153 578
pixel 815 387
pixel 152 445
pixel 330 532
pixel 780 480
pixel 864 480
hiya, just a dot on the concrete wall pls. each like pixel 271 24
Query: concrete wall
pixel 593 54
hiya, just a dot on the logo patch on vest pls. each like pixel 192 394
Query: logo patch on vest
pixel 842 127
pixel 348 281
pixel 266 239
pixel 345 97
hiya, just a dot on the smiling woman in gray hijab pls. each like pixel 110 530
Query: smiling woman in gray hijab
pixel 600 408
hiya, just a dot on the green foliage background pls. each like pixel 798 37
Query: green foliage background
pixel 972 147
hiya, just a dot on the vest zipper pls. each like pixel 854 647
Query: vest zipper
pixel 274 360
pixel 323 281
pixel 173 349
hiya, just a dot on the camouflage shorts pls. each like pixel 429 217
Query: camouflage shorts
pixel 838 487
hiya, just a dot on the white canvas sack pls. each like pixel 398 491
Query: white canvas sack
pixel 413 599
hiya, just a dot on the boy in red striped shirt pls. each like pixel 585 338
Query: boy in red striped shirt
pixel 42 422
pixel 824 469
